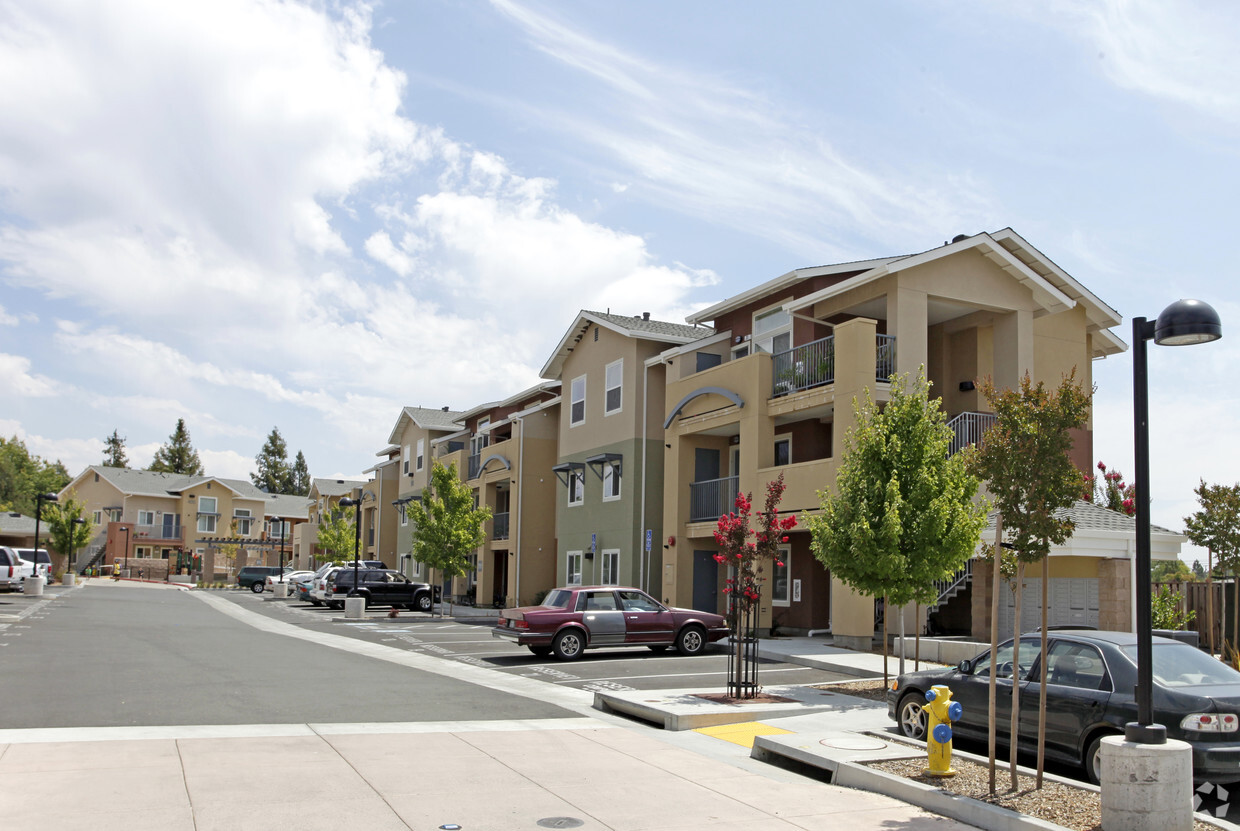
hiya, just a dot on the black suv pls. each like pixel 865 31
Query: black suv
pixel 381 587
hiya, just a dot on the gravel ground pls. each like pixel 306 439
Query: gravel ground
pixel 1074 808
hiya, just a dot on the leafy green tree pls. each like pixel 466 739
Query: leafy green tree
pixel 1024 461
pixel 274 474
pixel 114 451
pixel 23 476
pixel 178 454
pixel 1216 528
pixel 1171 571
pixel 301 476
pixel 1199 571
pixel 903 514
pixel 447 528
pixel 338 536
pixel 66 534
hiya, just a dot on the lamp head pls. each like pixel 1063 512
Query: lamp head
pixel 348 502
pixel 1186 322
pixel 48 497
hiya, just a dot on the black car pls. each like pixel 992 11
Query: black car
pixel 1089 695
pixel 255 577
pixel 380 587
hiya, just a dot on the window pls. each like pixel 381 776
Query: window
pixel 1076 665
pixel 206 524
pixel 404 516
pixel 613 387
pixel 635 601
pixel 207 515
pixel 207 505
pixel 611 481
pixel 772 331
pixel 1029 649
pixel 780 584
pixel 783 452
pixel 405 457
pixel 576 486
pixel 577 398
pixel 573 578
pixel 420 454
pixel 244 521
pixel 611 566
pixel 146 517
pixel 98 517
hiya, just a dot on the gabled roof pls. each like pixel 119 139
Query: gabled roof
pixel 14 523
pixel 529 392
pixel 442 419
pixel 150 483
pixel 642 327
pixel 336 487
pixel 288 506
pixel 1090 517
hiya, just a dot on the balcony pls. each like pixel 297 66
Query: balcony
pixel 499 526
pixel 813 364
pixel 475 465
pixel 168 531
pixel 969 429
pixel 712 498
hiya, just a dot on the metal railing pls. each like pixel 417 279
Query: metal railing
pixel 499 526
pixel 951 586
pixel 886 363
pixel 969 429
pixel 159 531
pixel 475 465
pixel 813 364
pixel 712 498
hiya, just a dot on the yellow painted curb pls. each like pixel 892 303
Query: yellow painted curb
pixel 743 733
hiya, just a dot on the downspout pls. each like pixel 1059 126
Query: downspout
pixel 516 592
pixel 642 554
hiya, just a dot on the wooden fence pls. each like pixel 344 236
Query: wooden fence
pixel 1193 599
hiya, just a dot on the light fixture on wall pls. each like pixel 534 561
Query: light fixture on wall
pixel 967 386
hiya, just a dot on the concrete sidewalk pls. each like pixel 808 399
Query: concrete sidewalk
pixel 560 773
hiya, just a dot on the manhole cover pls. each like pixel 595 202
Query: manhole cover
pixel 854 743
pixel 561 822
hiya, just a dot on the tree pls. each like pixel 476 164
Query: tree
pixel 178 454
pixel 447 528
pixel 301 476
pixel 337 536
pixel 1216 528
pixel 23 476
pixel 747 558
pixel 1199 571
pixel 1171 571
pixel 1024 461
pixel 114 451
pixel 1111 491
pixel 274 475
pixel 1166 610
pixel 65 534
pixel 903 514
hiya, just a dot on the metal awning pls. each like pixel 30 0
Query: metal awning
pixel 561 471
pixel 596 462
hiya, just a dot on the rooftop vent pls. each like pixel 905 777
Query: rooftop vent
pixel 959 237
pixel 645 315
pixel 445 409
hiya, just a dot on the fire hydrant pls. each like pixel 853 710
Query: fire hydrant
pixel 942 712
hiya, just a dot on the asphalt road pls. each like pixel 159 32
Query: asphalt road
pixel 125 656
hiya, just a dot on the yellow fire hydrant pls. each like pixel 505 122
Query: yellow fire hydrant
pixel 942 712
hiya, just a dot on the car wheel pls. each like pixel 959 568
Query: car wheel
pixel 1093 759
pixel 314 602
pixel 257 588
pixel 657 647
pixel 569 644
pixel 422 603
pixel 331 604
pixel 691 640
pixel 540 651
pixel 912 716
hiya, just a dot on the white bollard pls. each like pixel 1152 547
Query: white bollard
pixel 1147 787
pixel 33 586
pixel 280 590
pixel 70 579
pixel 354 608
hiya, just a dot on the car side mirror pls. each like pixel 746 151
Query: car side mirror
pixel 965 667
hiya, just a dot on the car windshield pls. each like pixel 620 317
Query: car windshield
pixel 558 598
pixel 1180 665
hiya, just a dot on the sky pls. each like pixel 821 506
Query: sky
pixel 306 215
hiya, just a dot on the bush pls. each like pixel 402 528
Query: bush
pixel 1166 613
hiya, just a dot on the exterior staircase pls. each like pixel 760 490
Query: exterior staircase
pixel 951 587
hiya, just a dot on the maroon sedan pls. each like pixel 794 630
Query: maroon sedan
pixel 576 618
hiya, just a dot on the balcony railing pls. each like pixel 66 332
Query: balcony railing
pixel 499 526
pixel 969 429
pixel 712 498
pixel 162 531
pixel 475 465
pixel 813 364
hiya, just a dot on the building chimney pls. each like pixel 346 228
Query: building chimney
pixel 645 315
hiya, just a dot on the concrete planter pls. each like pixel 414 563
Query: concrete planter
pixel 33 586
pixel 70 579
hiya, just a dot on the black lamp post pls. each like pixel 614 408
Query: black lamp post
pixel 38 515
pixel 281 520
pixel 349 502
pixel 78 522
pixel 126 554
pixel 1182 323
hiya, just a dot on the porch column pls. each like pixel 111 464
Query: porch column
pixel 908 320
pixel 1013 348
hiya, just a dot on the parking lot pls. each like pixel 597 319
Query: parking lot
pixel 468 640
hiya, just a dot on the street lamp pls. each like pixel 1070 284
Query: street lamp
pixel 126 554
pixel 281 520
pixel 356 504
pixel 38 515
pixel 78 522
pixel 1183 323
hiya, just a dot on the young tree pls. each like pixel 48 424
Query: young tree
pixel 301 476
pixel 23 476
pixel 114 451
pixel 447 528
pixel 274 475
pixel 337 536
pixel 1216 528
pixel 903 514
pixel 1025 463
pixel 747 558
pixel 66 535
pixel 178 454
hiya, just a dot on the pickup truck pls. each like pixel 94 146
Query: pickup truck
pixel 379 587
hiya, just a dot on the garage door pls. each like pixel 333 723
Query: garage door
pixel 1073 602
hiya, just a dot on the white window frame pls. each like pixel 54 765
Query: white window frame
pixel 783 438
pixel 765 341
pixel 618 386
pixel 577 475
pixel 575 399
pixel 612 481
pixel 404 515
pixel 214 504
pixel 405 456
pixel 149 515
pixel 573 561
pixel 206 524
pixel 785 554
pixel 609 567
pixel 420 455
pixel 98 518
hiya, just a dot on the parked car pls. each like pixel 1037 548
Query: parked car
pixel 13 569
pixel 1089 695
pixel 318 588
pixel 573 619
pixel 289 577
pixel 41 557
pixel 380 587
pixel 255 577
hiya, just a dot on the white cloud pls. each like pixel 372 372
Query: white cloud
pixel 16 378
pixel 7 319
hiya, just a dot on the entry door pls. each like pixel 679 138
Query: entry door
pixel 499 575
pixel 705 581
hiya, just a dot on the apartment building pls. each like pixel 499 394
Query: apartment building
pixel 409 458
pixel 608 509
pixel 321 503
pixel 166 523
pixel 770 390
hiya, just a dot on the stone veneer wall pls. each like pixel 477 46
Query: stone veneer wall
pixel 1115 595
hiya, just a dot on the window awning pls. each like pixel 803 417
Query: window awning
pixel 562 471
pixel 596 462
